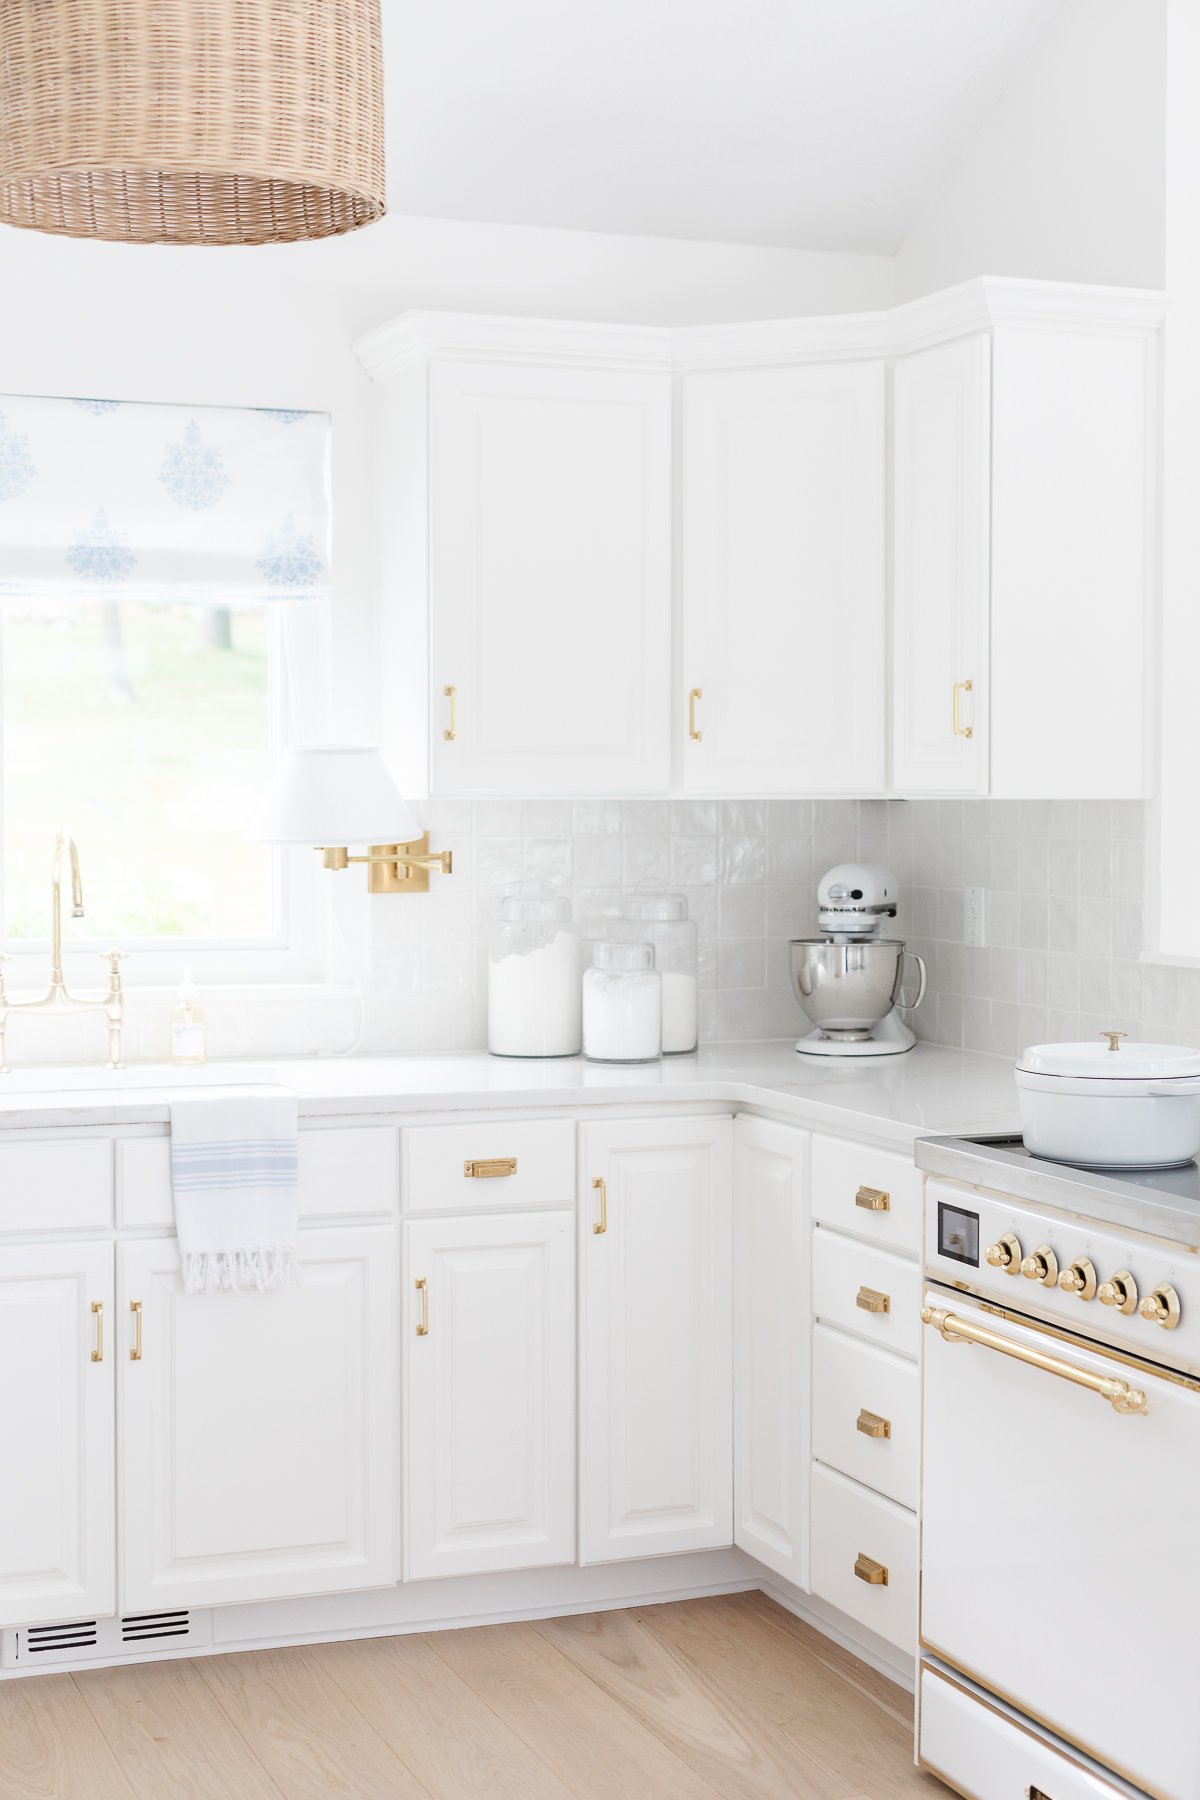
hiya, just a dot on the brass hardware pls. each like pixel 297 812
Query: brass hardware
pixel 1120 1396
pixel 961 730
pixel 393 868
pixel 488 1168
pixel 423 1290
pixel 867 1569
pixel 1120 1292
pixel 1004 1254
pixel 135 1307
pixel 1079 1279
pixel 1036 1793
pixel 694 695
pixel 873 1200
pixel 1041 1266
pixel 58 997
pixel 1162 1307
pixel 601 1227
pixel 451 731
pixel 870 1300
pixel 1114 1038
pixel 871 1425
pixel 98 1314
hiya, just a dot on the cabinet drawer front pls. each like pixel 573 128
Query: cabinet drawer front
pixel 866 1414
pixel 56 1186
pixel 857 1535
pixel 465 1168
pixel 343 1174
pixel 870 1292
pixel 874 1193
pixel 982 1751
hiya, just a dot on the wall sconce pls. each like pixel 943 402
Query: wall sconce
pixel 335 795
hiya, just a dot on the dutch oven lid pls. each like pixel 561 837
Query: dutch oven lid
pixel 1114 1057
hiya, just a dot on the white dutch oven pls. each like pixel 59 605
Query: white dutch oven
pixel 1111 1105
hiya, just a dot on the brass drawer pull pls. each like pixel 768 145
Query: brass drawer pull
pixel 451 731
pixel 873 1200
pixel 423 1323
pixel 135 1307
pixel 872 1301
pixel 694 695
pixel 487 1168
pixel 98 1310
pixel 867 1569
pixel 960 688
pixel 872 1426
pixel 601 1185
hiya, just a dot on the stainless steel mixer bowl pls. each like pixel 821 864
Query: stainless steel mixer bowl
pixel 846 989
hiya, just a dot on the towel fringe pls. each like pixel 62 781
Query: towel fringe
pixel 267 1270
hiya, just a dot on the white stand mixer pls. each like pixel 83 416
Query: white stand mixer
pixel 851 982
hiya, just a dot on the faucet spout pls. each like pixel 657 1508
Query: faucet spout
pixel 63 841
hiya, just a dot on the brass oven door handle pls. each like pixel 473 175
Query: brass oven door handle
pixel 451 731
pixel 601 1186
pixel 873 1200
pixel 98 1347
pixel 422 1287
pixel 694 695
pixel 870 1300
pixel 135 1307
pixel 873 1425
pixel 1120 1395
pixel 961 688
pixel 874 1573
pixel 490 1168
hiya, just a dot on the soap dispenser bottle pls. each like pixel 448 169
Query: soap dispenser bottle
pixel 187 1025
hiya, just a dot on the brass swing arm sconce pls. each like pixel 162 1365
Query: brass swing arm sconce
pixel 394 868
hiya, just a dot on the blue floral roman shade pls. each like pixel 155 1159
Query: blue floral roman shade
pixel 215 504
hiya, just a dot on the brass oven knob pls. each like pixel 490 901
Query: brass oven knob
pixel 1120 1292
pixel 1041 1266
pixel 1004 1254
pixel 1162 1307
pixel 1079 1279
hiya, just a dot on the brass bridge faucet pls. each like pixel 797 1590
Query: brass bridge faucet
pixel 57 997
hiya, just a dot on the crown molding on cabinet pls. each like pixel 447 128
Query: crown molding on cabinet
pixel 973 306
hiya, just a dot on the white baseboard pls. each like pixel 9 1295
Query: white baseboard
pixel 866 1645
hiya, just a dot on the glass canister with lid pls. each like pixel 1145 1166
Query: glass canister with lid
pixel 534 999
pixel 662 920
pixel 622 1005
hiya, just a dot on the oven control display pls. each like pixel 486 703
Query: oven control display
pixel 958 1234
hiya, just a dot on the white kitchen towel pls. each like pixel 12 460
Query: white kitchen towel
pixel 234 1171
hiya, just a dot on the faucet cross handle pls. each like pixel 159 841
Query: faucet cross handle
pixel 114 959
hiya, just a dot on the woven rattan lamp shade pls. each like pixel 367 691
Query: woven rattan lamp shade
pixel 191 121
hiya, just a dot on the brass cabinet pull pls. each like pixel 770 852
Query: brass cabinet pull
pixel 1120 1396
pixel 872 1425
pixel 872 1301
pixel 873 1200
pixel 867 1569
pixel 451 731
pixel 693 696
pixel 601 1226
pixel 489 1168
pixel 960 688
pixel 1036 1793
pixel 98 1347
pixel 135 1307
pixel 423 1322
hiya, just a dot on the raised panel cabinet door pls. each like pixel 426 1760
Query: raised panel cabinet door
pixel 57 1543
pixel 784 629
pixel 489 1358
pixel 550 580
pixel 941 548
pixel 258 1431
pixel 656 1413
pixel 771 1355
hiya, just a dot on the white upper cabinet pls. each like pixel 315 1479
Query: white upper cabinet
pixel 941 546
pixel 783 667
pixel 550 579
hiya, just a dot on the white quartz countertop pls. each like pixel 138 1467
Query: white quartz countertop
pixel 893 1098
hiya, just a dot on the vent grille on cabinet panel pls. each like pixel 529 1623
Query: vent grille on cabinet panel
pixel 138 1627
pixel 41 1639
pixel 105 1640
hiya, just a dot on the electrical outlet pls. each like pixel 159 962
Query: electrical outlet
pixel 974 917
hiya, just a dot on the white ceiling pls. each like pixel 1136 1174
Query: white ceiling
pixel 817 124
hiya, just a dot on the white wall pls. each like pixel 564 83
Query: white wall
pixel 1064 179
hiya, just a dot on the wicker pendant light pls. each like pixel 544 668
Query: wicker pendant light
pixel 191 121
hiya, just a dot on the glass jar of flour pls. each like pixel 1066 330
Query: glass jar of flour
pixel 622 1005
pixel 534 999
pixel 662 920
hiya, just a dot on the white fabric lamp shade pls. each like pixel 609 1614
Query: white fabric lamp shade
pixel 336 795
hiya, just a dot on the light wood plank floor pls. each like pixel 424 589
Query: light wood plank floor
pixel 722 1699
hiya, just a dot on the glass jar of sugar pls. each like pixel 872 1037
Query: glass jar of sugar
pixel 622 1005
pixel 662 920
pixel 534 1001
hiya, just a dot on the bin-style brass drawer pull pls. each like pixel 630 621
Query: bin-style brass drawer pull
pixel 867 1569
pixel 872 1426
pixel 873 1200
pixel 872 1301
pixel 487 1168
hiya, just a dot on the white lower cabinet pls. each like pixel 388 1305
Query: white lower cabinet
pixel 865 1556
pixel 56 1450
pixel 771 1346
pixel 867 1414
pixel 258 1431
pixel 656 1338
pixel 489 1413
